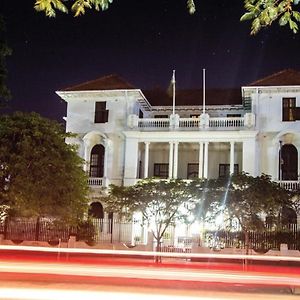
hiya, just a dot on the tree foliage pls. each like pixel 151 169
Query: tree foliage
pixel 161 203
pixel 40 175
pixel 247 200
pixel 79 7
pixel 263 13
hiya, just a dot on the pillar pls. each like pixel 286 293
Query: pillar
pixel 175 169
pixel 231 158
pixel 200 172
pixel 171 159
pixel 205 169
pixel 146 162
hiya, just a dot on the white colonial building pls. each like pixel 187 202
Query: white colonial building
pixel 125 133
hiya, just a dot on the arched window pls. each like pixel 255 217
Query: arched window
pixel 97 161
pixel 96 210
pixel 288 162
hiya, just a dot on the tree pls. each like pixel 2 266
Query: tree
pixel 40 175
pixel 78 7
pixel 264 12
pixel 246 199
pixel 161 203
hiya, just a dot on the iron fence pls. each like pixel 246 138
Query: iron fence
pixel 261 241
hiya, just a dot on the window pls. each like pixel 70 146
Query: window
pixel 288 157
pixel 224 170
pixel 101 114
pixel 141 115
pixel 97 161
pixel 194 116
pixel 192 170
pixel 233 115
pixel 288 109
pixel 161 116
pixel 161 170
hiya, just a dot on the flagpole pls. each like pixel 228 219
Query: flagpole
pixel 173 84
pixel 203 91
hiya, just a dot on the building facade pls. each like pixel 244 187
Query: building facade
pixel 125 134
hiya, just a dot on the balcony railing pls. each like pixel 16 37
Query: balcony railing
pixel 203 122
pixel 226 122
pixel 154 123
pixel 290 185
pixel 95 181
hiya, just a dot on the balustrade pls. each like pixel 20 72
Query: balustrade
pixel 191 123
pixel 95 181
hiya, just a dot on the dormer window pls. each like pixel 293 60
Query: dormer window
pixel 101 114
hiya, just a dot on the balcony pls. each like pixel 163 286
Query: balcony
pixel 291 185
pixel 96 182
pixel 204 122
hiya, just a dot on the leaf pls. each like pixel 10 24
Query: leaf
pixel 273 13
pixel 191 6
pixel 296 15
pixel 293 26
pixel 255 26
pixel 284 19
pixel 247 16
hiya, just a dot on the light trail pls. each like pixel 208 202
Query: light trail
pixel 150 253
pixel 164 274
pixel 16 293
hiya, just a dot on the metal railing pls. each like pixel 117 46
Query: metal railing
pixel 290 185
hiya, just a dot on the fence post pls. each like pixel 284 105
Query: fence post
pixel 5 227
pixel 37 229
pixel 111 230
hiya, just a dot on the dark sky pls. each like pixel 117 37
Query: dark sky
pixel 141 40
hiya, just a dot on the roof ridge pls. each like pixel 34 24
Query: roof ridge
pixel 272 76
pixel 104 78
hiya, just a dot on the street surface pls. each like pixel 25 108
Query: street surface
pixel 38 275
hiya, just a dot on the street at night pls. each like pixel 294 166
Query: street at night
pixel 38 276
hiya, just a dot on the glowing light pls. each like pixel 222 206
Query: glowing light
pixel 51 294
pixel 152 253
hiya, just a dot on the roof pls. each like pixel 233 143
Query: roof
pixel 281 78
pixel 109 82
pixel 160 97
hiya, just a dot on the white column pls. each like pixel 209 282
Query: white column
pixel 175 160
pixel 171 159
pixel 107 146
pixel 205 169
pixel 250 161
pixel 231 158
pixel 146 158
pixel 131 160
pixel 200 172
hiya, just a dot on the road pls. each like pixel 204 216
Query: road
pixel 25 275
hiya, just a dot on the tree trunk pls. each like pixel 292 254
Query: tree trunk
pixel 158 249
pixel 37 229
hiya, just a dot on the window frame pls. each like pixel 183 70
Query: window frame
pixel 157 172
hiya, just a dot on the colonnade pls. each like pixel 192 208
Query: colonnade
pixel 173 159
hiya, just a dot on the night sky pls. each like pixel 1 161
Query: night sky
pixel 142 41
